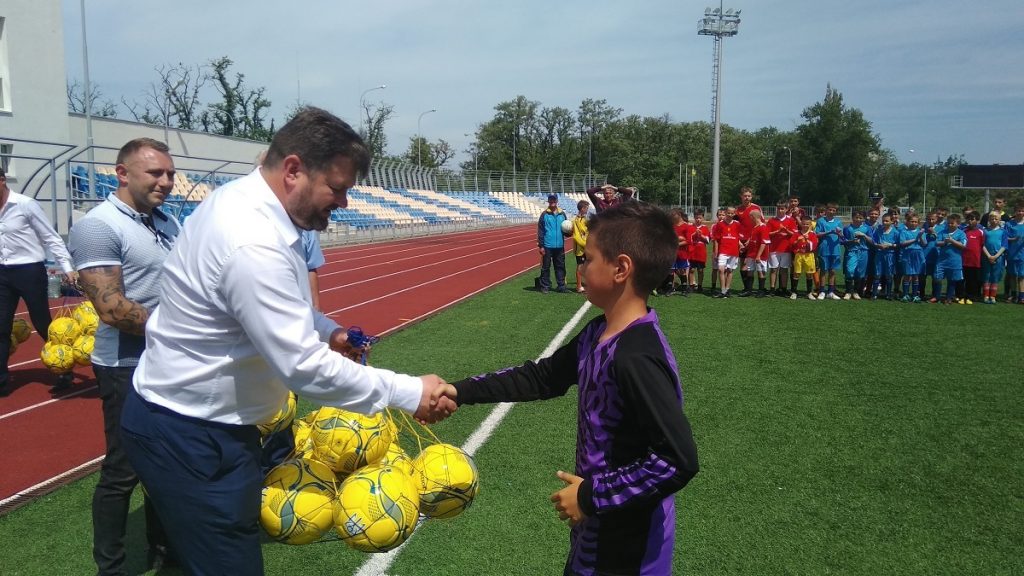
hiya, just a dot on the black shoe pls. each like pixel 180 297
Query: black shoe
pixel 159 557
pixel 761 294
pixel 5 386
pixel 562 290
pixel 64 381
pixel 744 294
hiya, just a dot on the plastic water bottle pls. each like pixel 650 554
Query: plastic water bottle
pixel 53 285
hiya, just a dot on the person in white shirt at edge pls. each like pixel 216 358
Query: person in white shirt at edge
pixel 24 230
pixel 234 332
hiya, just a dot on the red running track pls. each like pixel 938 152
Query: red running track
pixel 50 439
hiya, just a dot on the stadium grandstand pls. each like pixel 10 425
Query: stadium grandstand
pixel 66 160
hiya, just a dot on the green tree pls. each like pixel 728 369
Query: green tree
pixel 242 111
pixel 428 154
pixel 834 144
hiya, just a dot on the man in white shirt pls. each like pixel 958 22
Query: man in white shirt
pixel 235 331
pixel 119 248
pixel 24 232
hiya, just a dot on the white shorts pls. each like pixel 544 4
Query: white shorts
pixel 753 264
pixel 780 260
pixel 728 262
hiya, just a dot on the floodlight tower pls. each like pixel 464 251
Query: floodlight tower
pixel 717 22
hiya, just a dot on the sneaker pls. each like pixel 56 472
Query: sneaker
pixel 581 290
pixel 933 300
pixel 793 296
pixel 159 557
pixel 905 299
pixel 812 296
pixel 847 296
pixel 562 290
pixel 744 294
pixel 543 290
pixel 64 381
pixel 835 296
pixel 856 296
pixel 967 301
pixel 916 300
pixel 821 295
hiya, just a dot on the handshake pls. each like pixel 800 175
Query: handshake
pixel 437 401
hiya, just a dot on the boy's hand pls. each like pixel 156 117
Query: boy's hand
pixel 436 402
pixel 565 500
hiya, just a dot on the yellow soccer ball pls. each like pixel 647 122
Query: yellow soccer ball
pixel 298 501
pixel 397 457
pixel 64 330
pixel 86 317
pixel 282 419
pixel 300 431
pixel 447 480
pixel 59 358
pixel 20 330
pixel 14 345
pixel 376 509
pixel 346 441
pixel 82 349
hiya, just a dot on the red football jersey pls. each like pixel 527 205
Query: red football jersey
pixel 743 217
pixel 781 232
pixel 699 243
pixel 728 238
pixel 758 237
pixel 684 231
pixel 805 244
pixel 972 251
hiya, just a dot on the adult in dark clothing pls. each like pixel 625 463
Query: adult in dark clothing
pixel 610 195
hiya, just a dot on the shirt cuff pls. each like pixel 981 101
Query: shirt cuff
pixel 407 393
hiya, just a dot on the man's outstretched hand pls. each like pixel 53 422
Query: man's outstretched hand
pixel 437 401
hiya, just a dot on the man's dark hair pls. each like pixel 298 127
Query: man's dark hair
pixel 318 137
pixel 133 146
pixel 643 232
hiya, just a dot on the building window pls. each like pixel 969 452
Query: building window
pixel 6 151
pixel 5 81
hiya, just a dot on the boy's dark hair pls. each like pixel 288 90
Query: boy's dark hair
pixel 698 212
pixel 581 204
pixel 643 232
pixel 954 217
pixel 805 217
pixel 973 214
pixel 831 205
pixel 317 137
pixel 678 212
pixel 860 213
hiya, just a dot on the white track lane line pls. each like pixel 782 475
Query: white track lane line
pixel 378 564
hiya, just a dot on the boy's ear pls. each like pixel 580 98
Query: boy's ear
pixel 623 268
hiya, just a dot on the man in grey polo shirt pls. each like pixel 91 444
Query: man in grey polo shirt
pixel 119 249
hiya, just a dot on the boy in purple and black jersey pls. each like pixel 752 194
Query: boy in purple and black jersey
pixel 634 448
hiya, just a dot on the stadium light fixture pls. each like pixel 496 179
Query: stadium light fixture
pixel 719 24
pixel 419 138
pixel 362 100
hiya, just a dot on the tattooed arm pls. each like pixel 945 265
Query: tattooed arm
pixel 105 288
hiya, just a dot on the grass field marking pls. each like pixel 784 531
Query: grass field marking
pixel 378 564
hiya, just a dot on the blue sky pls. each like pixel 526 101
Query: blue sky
pixel 941 77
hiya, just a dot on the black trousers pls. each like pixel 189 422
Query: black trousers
pixel 554 256
pixel 113 495
pixel 26 282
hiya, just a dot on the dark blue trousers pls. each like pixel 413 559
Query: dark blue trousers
pixel 204 480
pixel 26 282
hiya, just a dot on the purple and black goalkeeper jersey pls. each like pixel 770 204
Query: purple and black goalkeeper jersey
pixel 634 448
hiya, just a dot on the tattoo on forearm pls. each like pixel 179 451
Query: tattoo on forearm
pixel 105 288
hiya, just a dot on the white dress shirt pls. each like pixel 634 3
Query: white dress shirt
pixel 24 229
pixel 235 328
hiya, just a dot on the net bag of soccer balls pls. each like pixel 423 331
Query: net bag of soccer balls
pixel 349 472
pixel 70 339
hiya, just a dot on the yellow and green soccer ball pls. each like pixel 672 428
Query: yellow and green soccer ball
pixel 59 358
pixel 86 317
pixel 64 330
pixel 346 441
pixel 377 509
pixel 397 457
pixel 282 419
pixel 20 330
pixel 300 431
pixel 298 501
pixel 447 480
pixel 82 349
pixel 14 345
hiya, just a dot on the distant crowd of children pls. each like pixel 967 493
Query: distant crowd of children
pixel 881 254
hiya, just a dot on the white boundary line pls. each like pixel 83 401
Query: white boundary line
pixel 28 492
pixel 377 565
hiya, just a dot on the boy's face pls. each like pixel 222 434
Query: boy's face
pixel 887 220
pixel 794 202
pixel 676 218
pixel 698 219
pixel 972 222
pixel 857 220
pixel 598 273
pixel 943 214
pixel 933 218
pixel 730 214
pixel 720 215
pixel 952 224
pixel 912 223
pixel 873 216
pixel 1019 213
pixel 1000 202
pixel 584 209
pixel 831 211
pixel 805 226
